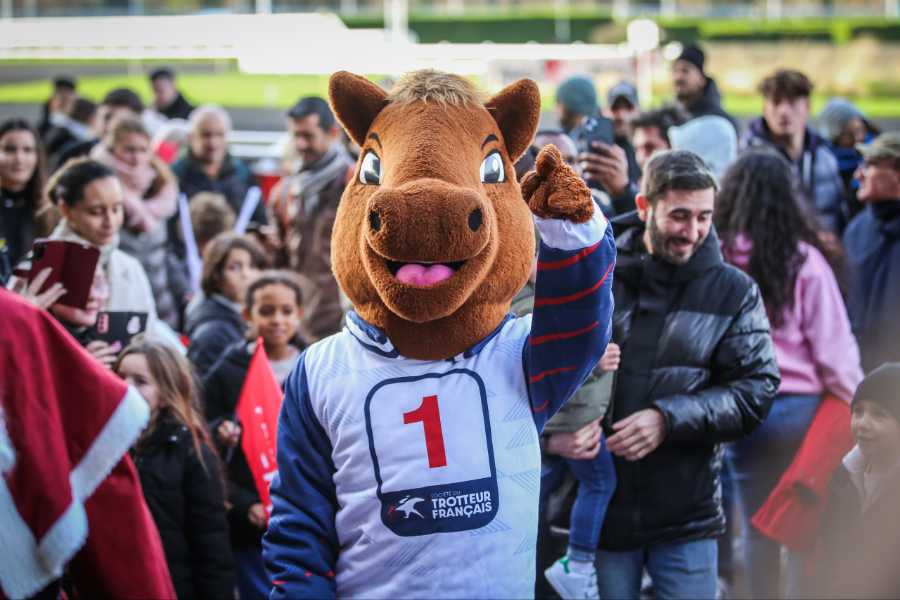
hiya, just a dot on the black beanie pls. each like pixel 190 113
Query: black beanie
pixel 694 55
pixel 882 386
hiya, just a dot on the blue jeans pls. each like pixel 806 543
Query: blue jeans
pixel 757 462
pixel 678 570
pixel 250 572
pixel 596 484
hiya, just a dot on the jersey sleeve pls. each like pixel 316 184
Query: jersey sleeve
pixel 301 546
pixel 573 304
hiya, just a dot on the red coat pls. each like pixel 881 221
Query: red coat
pixel 793 511
pixel 67 495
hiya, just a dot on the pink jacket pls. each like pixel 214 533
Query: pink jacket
pixel 815 347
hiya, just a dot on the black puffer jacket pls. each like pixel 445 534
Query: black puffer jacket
pixel 187 502
pixel 212 326
pixel 696 346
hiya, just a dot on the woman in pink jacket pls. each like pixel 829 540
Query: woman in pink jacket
pixel 149 200
pixel 767 232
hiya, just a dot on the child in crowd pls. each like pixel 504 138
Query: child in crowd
pixel 210 216
pixel 574 576
pixel 860 531
pixel 272 309
pixel 149 192
pixel 230 263
pixel 180 472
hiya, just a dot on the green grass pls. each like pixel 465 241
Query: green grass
pixel 227 89
pixel 280 91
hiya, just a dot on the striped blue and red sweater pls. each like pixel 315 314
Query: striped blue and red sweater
pixel 410 478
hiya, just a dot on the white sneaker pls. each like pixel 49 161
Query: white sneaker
pixel 571 585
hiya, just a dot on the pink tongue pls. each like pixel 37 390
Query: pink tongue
pixel 421 275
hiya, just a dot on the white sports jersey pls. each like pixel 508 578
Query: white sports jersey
pixel 435 460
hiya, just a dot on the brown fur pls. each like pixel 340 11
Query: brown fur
pixel 430 155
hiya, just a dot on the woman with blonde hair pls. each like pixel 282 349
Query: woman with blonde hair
pixel 180 472
pixel 149 193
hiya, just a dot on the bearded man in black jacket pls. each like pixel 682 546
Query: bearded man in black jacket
pixel 697 369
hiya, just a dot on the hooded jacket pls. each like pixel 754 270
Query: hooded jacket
pixel 710 103
pixel 872 246
pixel 695 346
pixel 212 327
pixel 186 499
pixel 816 173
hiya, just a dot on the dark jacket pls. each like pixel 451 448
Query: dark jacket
pixel 710 103
pixel 180 108
pixel 75 149
pixel 212 327
pixel 234 179
pixel 186 500
pixel 816 173
pixel 859 553
pixel 696 346
pixel 16 225
pixel 221 391
pixel 872 249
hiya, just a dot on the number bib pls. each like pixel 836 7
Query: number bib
pixel 430 440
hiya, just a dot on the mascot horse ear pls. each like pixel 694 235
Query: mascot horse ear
pixel 356 102
pixel 517 110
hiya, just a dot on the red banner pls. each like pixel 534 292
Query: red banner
pixel 257 410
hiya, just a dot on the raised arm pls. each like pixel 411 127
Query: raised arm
pixel 573 294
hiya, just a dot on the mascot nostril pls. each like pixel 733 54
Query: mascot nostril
pixel 421 417
pixel 475 219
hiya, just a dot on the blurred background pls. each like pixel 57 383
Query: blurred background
pixel 256 57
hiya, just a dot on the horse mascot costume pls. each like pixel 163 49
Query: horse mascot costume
pixel 408 454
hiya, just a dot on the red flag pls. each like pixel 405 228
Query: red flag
pixel 257 410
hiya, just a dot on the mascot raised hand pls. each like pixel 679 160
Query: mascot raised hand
pixel 408 454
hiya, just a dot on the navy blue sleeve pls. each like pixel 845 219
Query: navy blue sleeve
pixel 301 547
pixel 571 322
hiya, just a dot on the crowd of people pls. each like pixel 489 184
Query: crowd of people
pixel 757 282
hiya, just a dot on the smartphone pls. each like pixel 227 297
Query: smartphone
pixel 597 129
pixel 70 263
pixel 119 326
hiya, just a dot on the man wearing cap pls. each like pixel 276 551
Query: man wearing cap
pixel 303 208
pixel 844 126
pixel 872 247
pixel 696 92
pixel 608 168
pixel 622 106
pixel 859 553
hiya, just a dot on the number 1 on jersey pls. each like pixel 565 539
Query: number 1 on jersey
pixel 429 415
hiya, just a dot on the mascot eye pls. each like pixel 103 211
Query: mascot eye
pixel 370 172
pixel 492 169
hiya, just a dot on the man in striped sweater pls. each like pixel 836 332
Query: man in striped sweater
pixel 409 462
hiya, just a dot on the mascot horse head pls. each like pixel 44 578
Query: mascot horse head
pixel 432 238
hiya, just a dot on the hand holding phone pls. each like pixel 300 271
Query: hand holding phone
pixel 607 165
